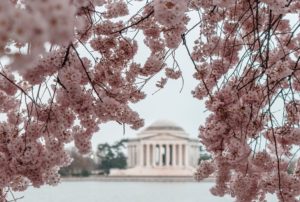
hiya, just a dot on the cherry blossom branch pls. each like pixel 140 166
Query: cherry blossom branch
pixel 87 74
pixel 18 87
pixel 134 23
pixel 195 66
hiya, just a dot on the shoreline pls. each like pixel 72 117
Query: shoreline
pixel 135 179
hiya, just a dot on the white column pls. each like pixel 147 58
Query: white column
pixel 186 155
pixel 148 155
pixel 153 154
pixel 145 155
pixel 180 154
pixel 160 155
pixel 141 153
pixel 183 155
pixel 167 154
pixel 174 155
pixel 129 156
pixel 132 155
pixel 135 154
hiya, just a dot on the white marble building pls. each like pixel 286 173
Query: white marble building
pixel 161 149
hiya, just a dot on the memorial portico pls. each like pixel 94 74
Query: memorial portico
pixel 154 154
pixel 162 148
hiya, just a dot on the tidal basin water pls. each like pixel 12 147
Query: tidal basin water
pixel 89 191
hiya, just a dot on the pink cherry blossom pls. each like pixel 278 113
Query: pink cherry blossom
pixel 70 66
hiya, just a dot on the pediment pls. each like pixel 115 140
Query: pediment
pixel 163 136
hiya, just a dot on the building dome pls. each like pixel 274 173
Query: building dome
pixel 163 125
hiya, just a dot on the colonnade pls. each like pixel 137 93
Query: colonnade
pixel 158 155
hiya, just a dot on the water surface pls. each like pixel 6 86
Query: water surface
pixel 95 191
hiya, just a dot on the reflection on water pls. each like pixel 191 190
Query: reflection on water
pixel 88 191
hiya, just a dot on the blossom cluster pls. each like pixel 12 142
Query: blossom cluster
pixel 243 81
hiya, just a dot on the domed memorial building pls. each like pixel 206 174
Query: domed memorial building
pixel 161 149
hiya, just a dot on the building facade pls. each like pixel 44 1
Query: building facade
pixel 164 149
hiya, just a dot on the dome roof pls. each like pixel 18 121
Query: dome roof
pixel 163 125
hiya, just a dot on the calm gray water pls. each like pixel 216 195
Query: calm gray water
pixel 123 192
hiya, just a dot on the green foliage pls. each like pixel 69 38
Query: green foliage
pixel 64 171
pixel 111 156
pixel 204 157
pixel 85 173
